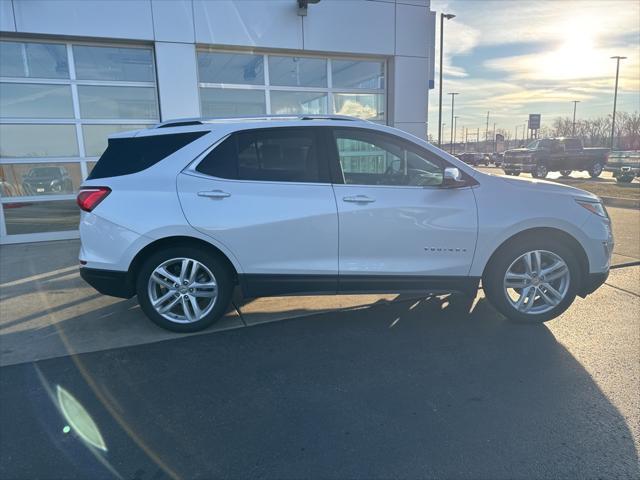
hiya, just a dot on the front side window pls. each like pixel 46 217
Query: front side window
pixel 277 155
pixel 368 158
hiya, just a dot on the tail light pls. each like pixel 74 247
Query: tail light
pixel 89 198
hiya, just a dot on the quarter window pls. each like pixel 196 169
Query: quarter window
pixel 367 158
pixel 277 155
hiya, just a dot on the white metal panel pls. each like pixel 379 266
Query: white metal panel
pixel 406 230
pixel 177 80
pixel 173 20
pixel 355 26
pixel 419 129
pixel 410 88
pixel 7 22
pixel 129 19
pixel 250 23
pixel 412 30
pixel 271 227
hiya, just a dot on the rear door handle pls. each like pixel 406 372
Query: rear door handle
pixel 214 194
pixel 359 199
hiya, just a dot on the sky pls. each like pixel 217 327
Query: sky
pixel 516 57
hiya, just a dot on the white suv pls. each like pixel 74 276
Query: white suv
pixel 181 213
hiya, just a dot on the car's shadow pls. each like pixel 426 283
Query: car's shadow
pixel 411 389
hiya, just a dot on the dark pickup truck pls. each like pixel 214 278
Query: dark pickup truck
pixel 561 154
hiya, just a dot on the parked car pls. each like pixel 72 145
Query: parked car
pixel 472 158
pixel 624 165
pixel 182 213
pixel 562 155
pixel 497 158
pixel 47 179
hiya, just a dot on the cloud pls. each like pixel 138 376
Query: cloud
pixel 519 57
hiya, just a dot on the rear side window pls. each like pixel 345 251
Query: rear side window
pixel 572 144
pixel 124 156
pixel 277 155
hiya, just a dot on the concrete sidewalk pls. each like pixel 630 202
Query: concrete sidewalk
pixel 47 310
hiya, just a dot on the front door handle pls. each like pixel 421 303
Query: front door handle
pixel 214 194
pixel 359 199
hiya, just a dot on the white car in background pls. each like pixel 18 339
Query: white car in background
pixel 181 213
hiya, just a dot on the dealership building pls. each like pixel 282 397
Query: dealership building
pixel 73 72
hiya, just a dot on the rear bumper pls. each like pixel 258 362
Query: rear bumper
pixel 592 282
pixel 109 282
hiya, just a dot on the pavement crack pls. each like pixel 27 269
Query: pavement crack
pixel 622 290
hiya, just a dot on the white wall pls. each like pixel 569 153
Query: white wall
pixel 400 30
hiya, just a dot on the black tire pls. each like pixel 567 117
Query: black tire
pixel 624 179
pixel 540 171
pixel 212 261
pixel 515 174
pixel 565 173
pixel 495 271
pixel 595 170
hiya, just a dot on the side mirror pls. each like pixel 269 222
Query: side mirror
pixel 452 178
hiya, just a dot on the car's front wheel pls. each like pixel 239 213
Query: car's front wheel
pixel 184 289
pixel 532 281
pixel 624 179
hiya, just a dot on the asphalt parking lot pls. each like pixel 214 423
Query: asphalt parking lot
pixel 332 387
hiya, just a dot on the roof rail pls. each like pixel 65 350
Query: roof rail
pixel 182 122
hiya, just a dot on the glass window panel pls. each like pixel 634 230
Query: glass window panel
pixel 95 136
pixel 297 71
pixel 113 63
pixel 368 158
pixel 41 217
pixel 231 68
pixel 23 100
pixel 298 102
pixel 38 140
pixel 362 105
pixel 357 74
pixel 34 60
pixel 117 102
pixel 218 102
pixel 18 179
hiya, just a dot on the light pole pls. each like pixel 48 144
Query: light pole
pixel 453 96
pixel 448 16
pixel 615 98
pixel 455 128
pixel 573 130
pixel 486 133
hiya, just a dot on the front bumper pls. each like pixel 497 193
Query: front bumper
pixel 623 170
pixel 109 282
pixel 512 166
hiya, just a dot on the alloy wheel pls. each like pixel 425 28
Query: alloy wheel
pixel 182 290
pixel 536 282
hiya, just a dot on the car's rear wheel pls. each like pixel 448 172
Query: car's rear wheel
pixel 184 289
pixel 595 170
pixel 532 281
pixel 624 179
pixel 565 173
pixel 540 171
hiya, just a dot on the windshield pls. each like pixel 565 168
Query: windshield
pixel 533 145
pixel 44 172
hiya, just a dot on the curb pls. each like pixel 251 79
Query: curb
pixel 621 202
